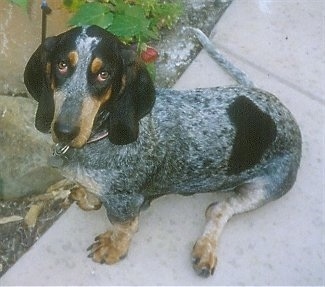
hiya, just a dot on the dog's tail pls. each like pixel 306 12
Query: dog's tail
pixel 240 77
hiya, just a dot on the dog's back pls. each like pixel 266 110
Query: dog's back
pixel 200 137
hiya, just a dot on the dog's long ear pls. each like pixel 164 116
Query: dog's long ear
pixel 136 99
pixel 37 81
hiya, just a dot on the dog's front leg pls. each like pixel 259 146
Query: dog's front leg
pixel 84 199
pixel 113 245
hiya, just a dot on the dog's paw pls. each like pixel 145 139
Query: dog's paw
pixel 109 248
pixel 203 257
pixel 85 200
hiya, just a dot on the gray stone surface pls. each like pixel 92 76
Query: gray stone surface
pixel 178 47
pixel 24 150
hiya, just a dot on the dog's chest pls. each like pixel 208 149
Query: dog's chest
pixel 104 168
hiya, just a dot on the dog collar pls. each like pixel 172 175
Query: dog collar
pixel 98 136
pixel 58 157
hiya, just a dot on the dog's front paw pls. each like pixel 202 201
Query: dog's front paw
pixel 113 245
pixel 109 248
pixel 203 256
pixel 85 200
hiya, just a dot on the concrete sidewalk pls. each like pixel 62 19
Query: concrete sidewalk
pixel 280 45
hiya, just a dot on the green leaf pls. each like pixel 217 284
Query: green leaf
pixel 127 26
pixel 105 21
pixel 132 23
pixel 92 13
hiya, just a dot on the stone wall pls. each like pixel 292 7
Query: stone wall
pixel 20 35
pixel 23 150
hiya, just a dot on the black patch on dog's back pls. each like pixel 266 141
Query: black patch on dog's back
pixel 255 132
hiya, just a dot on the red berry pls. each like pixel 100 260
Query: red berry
pixel 149 55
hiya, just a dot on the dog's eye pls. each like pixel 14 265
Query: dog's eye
pixel 63 67
pixel 103 76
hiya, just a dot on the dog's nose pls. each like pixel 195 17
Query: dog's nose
pixel 65 133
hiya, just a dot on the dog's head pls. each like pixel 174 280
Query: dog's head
pixel 83 76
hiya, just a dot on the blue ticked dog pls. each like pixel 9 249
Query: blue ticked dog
pixel 126 143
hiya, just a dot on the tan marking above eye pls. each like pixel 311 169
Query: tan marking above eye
pixel 73 58
pixel 96 65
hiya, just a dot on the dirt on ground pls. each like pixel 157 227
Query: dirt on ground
pixel 22 222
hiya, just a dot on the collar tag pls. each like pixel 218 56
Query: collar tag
pixel 57 159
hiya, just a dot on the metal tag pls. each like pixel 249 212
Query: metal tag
pixel 57 159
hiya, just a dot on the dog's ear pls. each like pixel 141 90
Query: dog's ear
pixel 37 81
pixel 135 100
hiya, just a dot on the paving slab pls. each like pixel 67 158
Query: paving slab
pixel 280 46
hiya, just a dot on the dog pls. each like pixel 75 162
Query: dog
pixel 126 143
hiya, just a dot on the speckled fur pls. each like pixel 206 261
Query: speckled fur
pixel 224 139
pixel 184 147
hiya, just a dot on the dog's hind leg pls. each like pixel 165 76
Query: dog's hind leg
pixel 249 196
